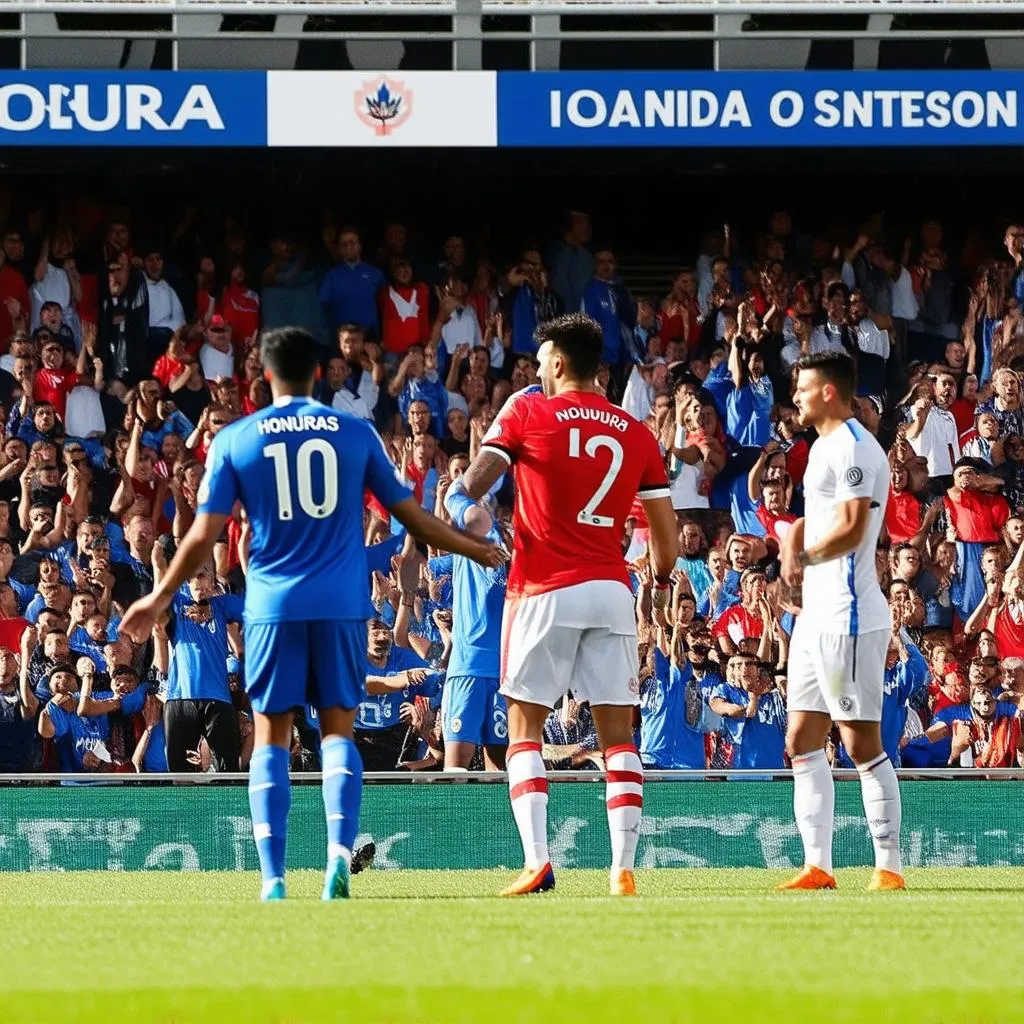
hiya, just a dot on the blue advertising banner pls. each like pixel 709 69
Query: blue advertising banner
pixel 102 108
pixel 760 108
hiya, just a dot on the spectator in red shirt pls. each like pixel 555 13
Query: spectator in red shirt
pixel 404 309
pixel 239 305
pixel 745 619
pixel 12 625
pixel 14 299
pixel 679 318
pixel 173 366
pixel 54 381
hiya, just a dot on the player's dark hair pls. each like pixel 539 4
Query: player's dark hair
pixel 836 367
pixel 578 338
pixel 291 354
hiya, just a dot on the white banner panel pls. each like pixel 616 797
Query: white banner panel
pixel 388 108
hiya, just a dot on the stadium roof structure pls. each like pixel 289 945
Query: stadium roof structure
pixel 530 34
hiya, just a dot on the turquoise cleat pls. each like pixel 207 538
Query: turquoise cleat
pixel 337 881
pixel 272 891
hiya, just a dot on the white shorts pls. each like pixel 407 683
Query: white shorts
pixel 841 676
pixel 580 638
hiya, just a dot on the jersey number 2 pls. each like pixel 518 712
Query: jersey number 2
pixel 588 514
pixel 315 509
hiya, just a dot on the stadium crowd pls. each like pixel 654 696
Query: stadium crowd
pixel 124 356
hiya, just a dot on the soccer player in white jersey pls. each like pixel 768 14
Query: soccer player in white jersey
pixel 837 654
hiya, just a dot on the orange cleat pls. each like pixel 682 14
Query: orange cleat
pixel 885 881
pixel 532 880
pixel 808 879
pixel 623 883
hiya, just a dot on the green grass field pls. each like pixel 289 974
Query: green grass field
pixel 700 945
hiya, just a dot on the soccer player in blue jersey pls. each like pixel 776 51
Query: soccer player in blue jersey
pixel 473 712
pixel 300 470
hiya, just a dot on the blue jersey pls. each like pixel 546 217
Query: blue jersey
pixel 300 469
pixel 478 599
pixel 672 718
pixel 380 710
pixel 199 650
pixel 75 734
pixel 748 413
pixel 759 742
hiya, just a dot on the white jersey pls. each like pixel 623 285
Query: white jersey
pixel 842 596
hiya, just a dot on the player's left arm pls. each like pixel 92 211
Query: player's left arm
pixel 663 544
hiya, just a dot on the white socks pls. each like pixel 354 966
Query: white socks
pixel 528 788
pixel 880 790
pixel 814 806
pixel 624 797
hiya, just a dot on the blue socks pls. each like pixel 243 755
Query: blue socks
pixel 270 797
pixel 343 793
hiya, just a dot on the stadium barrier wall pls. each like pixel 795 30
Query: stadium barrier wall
pixel 686 823
pixel 384 109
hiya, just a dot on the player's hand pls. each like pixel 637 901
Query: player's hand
pixel 792 570
pixel 490 556
pixel 416 676
pixel 140 618
pixel 85 667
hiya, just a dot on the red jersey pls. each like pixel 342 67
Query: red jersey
pixel 738 624
pixel 54 386
pixel 12 286
pixel 579 463
pixel 977 517
pixel 240 307
pixel 10 633
pixel 902 516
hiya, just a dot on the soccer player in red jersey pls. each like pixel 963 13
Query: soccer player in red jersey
pixel 569 621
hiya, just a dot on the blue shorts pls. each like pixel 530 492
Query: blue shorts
pixel 289 664
pixel 472 711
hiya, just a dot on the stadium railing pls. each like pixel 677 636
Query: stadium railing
pixel 436 821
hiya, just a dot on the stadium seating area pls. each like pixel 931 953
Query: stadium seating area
pixel 123 356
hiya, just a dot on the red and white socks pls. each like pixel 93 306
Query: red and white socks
pixel 624 797
pixel 528 788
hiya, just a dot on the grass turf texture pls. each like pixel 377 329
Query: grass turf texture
pixel 436 946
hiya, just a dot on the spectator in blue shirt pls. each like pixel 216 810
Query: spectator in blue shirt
pixel 77 719
pixel 906 677
pixel 571 263
pixel 611 306
pixel 417 381
pixel 198 696
pixel 348 293
pixel 529 302
pixel 755 714
pixel 748 404
pixel 397 675
pixel 672 717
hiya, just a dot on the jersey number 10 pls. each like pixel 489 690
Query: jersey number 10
pixel 314 508
pixel 588 514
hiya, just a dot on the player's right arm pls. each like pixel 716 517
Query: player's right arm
pixel 384 482
pixel 854 499
pixel 500 445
